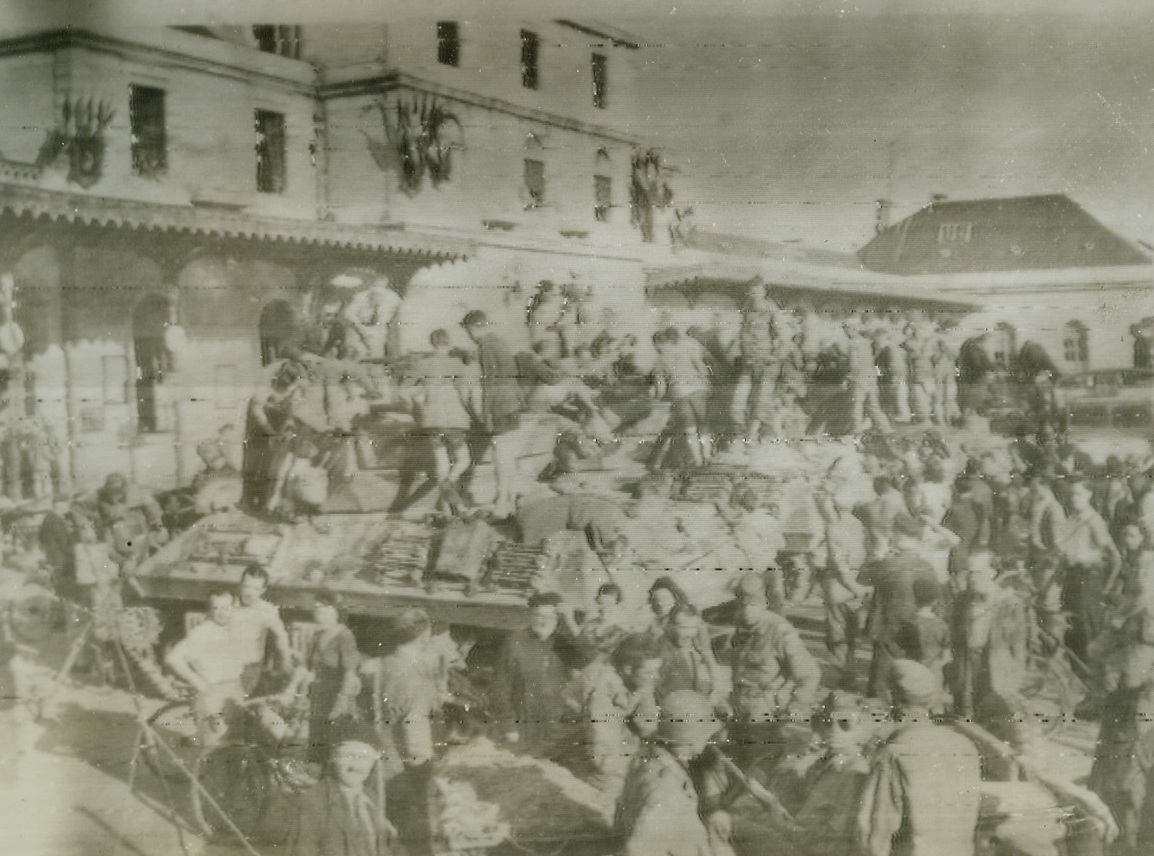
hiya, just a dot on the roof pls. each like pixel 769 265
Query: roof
pixel 742 245
pixel 1012 234
pixel 722 283
pixel 602 31
pixel 102 212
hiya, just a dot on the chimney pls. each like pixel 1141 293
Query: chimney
pixel 935 198
pixel 884 208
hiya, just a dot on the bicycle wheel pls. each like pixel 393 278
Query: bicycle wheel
pixel 36 612
pixel 237 781
pixel 175 724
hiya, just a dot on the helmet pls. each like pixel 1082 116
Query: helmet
pixel 751 587
pixel 686 718
pixel 475 318
pixel 913 683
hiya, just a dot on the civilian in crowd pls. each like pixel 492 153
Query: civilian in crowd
pixel 501 405
pixel 683 378
pixel 893 604
pixel 532 672
pixel 340 815
pixel 255 623
pixel 330 665
pixel 407 689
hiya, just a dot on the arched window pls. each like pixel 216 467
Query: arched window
pixel 276 326
pixel 1003 344
pixel 533 176
pixel 602 186
pixel 1076 343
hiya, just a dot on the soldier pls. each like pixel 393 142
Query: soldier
pixel 753 397
pixel 775 678
pixel 832 787
pixel 922 349
pixel 863 382
pixel 658 812
pixel 946 411
pixel 922 795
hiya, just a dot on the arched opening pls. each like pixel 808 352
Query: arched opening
pixel 1003 345
pixel 1076 344
pixel 276 328
pixel 602 186
pixel 153 361
pixel 1143 333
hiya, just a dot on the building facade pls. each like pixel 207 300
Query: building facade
pixel 1036 268
pixel 172 200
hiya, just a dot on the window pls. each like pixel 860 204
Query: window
pixel 602 197
pixel 600 80
pixel 530 53
pixel 270 152
pixel 448 43
pixel 146 120
pixel 955 233
pixel 283 41
pixel 1076 343
pixel 535 182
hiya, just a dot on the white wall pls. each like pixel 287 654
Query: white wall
pixel 1042 316
pixel 490 62
pixel 212 90
pixel 487 182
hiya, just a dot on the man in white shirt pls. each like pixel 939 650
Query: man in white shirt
pixel 208 659
pixel 254 620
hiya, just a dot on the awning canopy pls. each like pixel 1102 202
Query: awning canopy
pixel 721 283
pixel 34 205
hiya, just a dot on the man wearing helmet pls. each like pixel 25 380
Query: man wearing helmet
pixel 658 811
pixel 923 790
pixel 775 677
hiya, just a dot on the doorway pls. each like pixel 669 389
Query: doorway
pixel 276 328
pixel 153 361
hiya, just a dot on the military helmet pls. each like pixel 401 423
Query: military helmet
pixel 686 718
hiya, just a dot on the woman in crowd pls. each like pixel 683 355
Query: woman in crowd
pixel 331 673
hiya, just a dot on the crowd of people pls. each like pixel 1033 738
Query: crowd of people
pixel 777 372
pixel 944 576
pixel 954 575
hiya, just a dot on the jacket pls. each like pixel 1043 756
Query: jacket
pixel 327 826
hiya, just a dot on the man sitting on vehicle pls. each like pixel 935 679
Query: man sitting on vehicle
pixel 130 517
pixel 211 661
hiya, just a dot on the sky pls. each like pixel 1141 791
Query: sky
pixel 788 120
pixel 792 127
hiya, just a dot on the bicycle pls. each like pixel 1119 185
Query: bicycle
pixel 1052 673
pixel 234 779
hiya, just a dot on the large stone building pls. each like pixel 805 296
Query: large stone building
pixel 1036 268
pixel 1022 269
pixel 170 200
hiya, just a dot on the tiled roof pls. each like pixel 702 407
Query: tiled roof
pixel 1014 234
pixel 101 212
